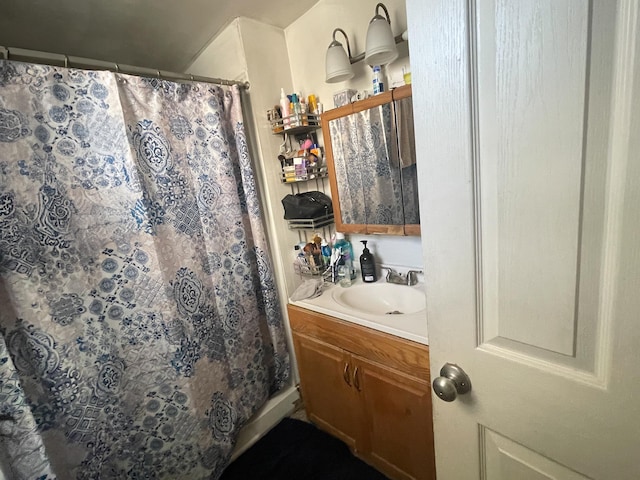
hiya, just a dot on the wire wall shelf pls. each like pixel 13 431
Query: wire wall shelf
pixel 310 223
pixel 295 124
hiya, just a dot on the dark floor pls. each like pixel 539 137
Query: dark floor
pixel 293 450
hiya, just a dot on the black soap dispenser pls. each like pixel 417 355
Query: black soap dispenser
pixel 367 265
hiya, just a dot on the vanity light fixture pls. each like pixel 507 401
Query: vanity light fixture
pixel 338 62
pixel 381 48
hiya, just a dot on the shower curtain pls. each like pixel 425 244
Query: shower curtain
pixel 139 321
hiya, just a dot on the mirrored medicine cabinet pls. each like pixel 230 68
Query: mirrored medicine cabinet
pixel 371 159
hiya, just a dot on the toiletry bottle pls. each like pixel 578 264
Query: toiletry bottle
pixel 347 251
pixel 326 253
pixel 378 82
pixel 313 104
pixel 367 265
pixel 344 275
pixel 303 111
pixel 295 110
pixel 300 261
pixel 284 108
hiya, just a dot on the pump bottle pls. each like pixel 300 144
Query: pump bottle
pixel 367 265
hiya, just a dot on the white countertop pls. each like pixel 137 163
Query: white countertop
pixel 409 326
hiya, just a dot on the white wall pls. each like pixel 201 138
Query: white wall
pixel 307 41
pixel 223 57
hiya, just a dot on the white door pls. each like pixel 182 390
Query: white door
pixel 528 136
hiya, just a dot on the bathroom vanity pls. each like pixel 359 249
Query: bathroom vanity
pixel 365 386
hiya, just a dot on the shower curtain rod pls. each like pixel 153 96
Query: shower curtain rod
pixel 56 59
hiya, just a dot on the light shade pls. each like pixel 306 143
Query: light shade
pixel 337 62
pixel 381 45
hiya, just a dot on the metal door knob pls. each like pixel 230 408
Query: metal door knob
pixel 453 381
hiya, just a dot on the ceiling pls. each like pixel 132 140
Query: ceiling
pixel 158 34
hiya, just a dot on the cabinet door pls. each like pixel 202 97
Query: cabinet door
pixel 326 379
pixel 399 436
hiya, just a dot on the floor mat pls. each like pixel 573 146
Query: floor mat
pixel 298 450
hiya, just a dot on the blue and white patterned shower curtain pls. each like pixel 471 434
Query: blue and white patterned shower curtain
pixel 139 321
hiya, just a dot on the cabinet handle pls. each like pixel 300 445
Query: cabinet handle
pixel 356 379
pixel 345 374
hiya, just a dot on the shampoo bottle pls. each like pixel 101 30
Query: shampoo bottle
pixel 326 253
pixel 367 265
pixel 378 81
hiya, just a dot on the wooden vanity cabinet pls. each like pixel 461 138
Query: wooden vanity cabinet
pixel 327 390
pixel 368 388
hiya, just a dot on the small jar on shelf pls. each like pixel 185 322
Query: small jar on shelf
pixel 305 165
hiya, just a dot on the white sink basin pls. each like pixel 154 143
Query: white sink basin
pixel 381 298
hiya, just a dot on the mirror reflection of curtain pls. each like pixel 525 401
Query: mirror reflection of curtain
pixel 140 326
pixel 369 177
pixel 380 166
pixel 345 144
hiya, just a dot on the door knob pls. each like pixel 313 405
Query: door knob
pixel 453 381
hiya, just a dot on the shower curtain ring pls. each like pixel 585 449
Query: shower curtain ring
pixel 66 62
pixel 191 77
pixel 7 54
pixel 159 77
pixel 117 68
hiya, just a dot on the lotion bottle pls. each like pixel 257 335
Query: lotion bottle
pixel 367 265
pixel 284 108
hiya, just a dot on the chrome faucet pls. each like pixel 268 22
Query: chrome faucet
pixel 394 277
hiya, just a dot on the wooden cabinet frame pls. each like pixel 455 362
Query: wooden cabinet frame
pixel 370 389
pixel 361 105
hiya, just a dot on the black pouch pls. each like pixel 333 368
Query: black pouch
pixel 306 205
